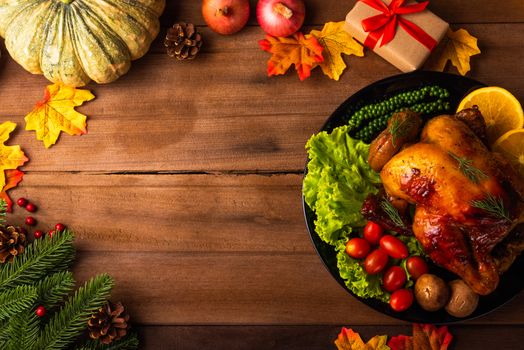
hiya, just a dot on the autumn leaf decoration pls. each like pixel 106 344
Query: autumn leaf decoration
pixel 336 41
pixel 295 50
pixel 318 48
pixel 11 157
pixel 350 340
pixel 425 337
pixel 56 113
pixel 457 48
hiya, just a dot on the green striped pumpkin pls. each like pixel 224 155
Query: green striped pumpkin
pixel 75 41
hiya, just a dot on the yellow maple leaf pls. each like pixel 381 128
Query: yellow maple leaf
pixel 336 41
pixel 458 47
pixel 350 340
pixel 56 113
pixel 11 157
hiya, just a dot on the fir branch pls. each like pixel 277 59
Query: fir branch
pixel 130 342
pixel 3 211
pixel 54 288
pixel 16 300
pixel 493 205
pixel 42 257
pixel 392 212
pixel 466 167
pixel 70 321
pixel 23 330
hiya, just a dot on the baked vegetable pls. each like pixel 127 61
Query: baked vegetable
pixel 463 300
pixel 431 292
pixel 74 41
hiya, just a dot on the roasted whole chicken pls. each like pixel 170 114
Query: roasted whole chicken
pixel 467 199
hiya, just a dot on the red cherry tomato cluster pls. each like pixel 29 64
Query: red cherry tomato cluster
pixel 376 248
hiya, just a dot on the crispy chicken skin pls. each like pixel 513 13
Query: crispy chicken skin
pixel 454 233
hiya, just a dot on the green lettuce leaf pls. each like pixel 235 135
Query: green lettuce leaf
pixel 338 180
pixel 356 278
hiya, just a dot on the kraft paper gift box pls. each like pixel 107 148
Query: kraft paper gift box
pixel 413 30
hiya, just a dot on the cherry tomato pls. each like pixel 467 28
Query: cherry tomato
pixel 394 247
pixel 416 266
pixel 357 248
pixel 376 261
pixel 373 232
pixel 401 300
pixel 394 278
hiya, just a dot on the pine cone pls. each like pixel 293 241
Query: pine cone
pixel 109 323
pixel 12 243
pixel 183 41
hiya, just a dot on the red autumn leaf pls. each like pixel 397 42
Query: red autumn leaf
pixel 425 337
pixel 298 50
pixel 12 178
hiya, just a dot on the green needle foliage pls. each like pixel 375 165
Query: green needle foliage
pixel 16 300
pixel 39 277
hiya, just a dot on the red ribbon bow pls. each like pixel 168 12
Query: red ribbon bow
pixel 384 25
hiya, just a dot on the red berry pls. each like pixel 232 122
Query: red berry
pixel 38 234
pixel 51 233
pixel 30 221
pixel 40 311
pixel 22 202
pixel 59 227
pixel 30 207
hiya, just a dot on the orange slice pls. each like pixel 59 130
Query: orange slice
pixel 511 145
pixel 501 110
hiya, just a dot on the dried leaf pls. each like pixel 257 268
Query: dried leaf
pixel 425 337
pixel 458 47
pixel 11 157
pixel 56 113
pixel 12 178
pixel 336 41
pixel 298 50
pixel 349 340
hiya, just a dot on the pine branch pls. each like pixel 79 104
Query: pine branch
pixel 70 321
pixel 3 211
pixel 23 330
pixel 16 300
pixel 54 288
pixel 130 342
pixel 42 257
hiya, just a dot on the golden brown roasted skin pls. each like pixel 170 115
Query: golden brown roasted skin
pixel 454 233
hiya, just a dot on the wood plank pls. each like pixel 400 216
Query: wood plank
pixel 168 213
pixel 321 11
pixel 239 289
pixel 203 249
pixel 173 119
pixel 310 337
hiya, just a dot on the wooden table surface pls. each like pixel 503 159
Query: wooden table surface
pixel 187 188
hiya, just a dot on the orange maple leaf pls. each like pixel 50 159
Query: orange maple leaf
pixel 56 113
pixel 12 178
pixel 298 50
pixel 350 340
pixel 11 157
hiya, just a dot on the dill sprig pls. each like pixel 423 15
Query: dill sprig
pixel 392 212
pixel 493 205
pixel 466 167
pixel 399 128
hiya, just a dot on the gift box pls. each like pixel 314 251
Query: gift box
pixel 402 32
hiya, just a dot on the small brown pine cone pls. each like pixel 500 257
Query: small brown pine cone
pixel 109 323
pixel 183 41
pixel 12 243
